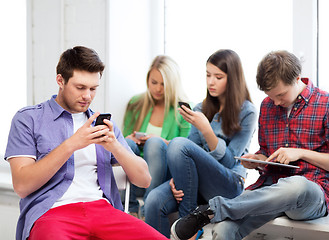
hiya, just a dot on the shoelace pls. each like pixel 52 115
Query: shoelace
pixel 204 219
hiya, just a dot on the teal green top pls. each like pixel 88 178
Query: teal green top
pixel 170 128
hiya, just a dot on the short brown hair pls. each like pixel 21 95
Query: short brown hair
pixel 277 66
pixel 79 58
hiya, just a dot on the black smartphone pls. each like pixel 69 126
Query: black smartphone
pixel 185 104
pixel 101 117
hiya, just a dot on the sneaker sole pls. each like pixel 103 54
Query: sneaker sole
pixel 173 232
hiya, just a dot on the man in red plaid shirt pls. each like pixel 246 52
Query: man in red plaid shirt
pixel 293 129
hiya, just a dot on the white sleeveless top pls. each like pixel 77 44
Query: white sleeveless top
pixel 154 130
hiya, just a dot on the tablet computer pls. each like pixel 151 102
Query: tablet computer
pixel 264 162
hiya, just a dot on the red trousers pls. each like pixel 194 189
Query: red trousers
pixel 91 220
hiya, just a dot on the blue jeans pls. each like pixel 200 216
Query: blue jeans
pixel 154 151
pixel 195 172
pixel 296 197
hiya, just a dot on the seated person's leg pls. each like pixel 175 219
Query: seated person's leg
pixel 64 222
pixel 300 195
pixel 134 191
pixel 155 155
pixel 311 202
pixel 158 205
pixel 117 225
pixel 302 200
pixel 195 172
pixel 237 230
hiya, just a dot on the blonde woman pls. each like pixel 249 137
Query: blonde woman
pixel 152 120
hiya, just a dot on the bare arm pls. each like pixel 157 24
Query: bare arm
pixel 29 175
pixel 135 167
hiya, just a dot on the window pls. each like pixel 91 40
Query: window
pixel 196 29
pixel 13 64
pixel 323 49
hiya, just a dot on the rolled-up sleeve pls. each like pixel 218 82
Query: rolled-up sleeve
pixel 20 138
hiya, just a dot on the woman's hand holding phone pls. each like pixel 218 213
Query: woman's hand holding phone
pixel 138 137
pixel 197 119
pixel 184 104
pixel 184 109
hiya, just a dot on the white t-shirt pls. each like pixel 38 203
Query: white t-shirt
pixel 289 110
pixel 84 187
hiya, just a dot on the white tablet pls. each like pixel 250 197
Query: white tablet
pixel 264 162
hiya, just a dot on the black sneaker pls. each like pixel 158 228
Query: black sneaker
pixel 186 227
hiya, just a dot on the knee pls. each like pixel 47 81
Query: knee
pixel 309 198
pixel 176 147
pixel 154 147
pixel 295 185
pixel 154 142
pixel 152 202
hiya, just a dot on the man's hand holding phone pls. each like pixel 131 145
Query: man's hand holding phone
pixel 104 125
pixel 100 119
pixel 89 134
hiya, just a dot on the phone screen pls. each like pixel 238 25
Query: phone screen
pixel 101 117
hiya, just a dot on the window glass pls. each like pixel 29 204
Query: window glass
pixel 196 29
pixel 323 44
pixel 13 64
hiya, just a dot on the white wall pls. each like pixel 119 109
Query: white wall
pixel 126 34
pixel 135 38
pixel 54 26
pixel 305 36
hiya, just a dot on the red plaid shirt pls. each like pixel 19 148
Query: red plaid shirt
pixel 307 127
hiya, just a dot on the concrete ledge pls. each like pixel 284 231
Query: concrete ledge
pixel 285 228
pixel 320 224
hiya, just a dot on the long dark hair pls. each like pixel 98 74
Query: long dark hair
pixel 235 94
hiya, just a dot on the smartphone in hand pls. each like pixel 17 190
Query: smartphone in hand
pixel 138 135
pixel 185 104
pixel 101 117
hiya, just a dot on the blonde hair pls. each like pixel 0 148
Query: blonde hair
pixel 173 91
